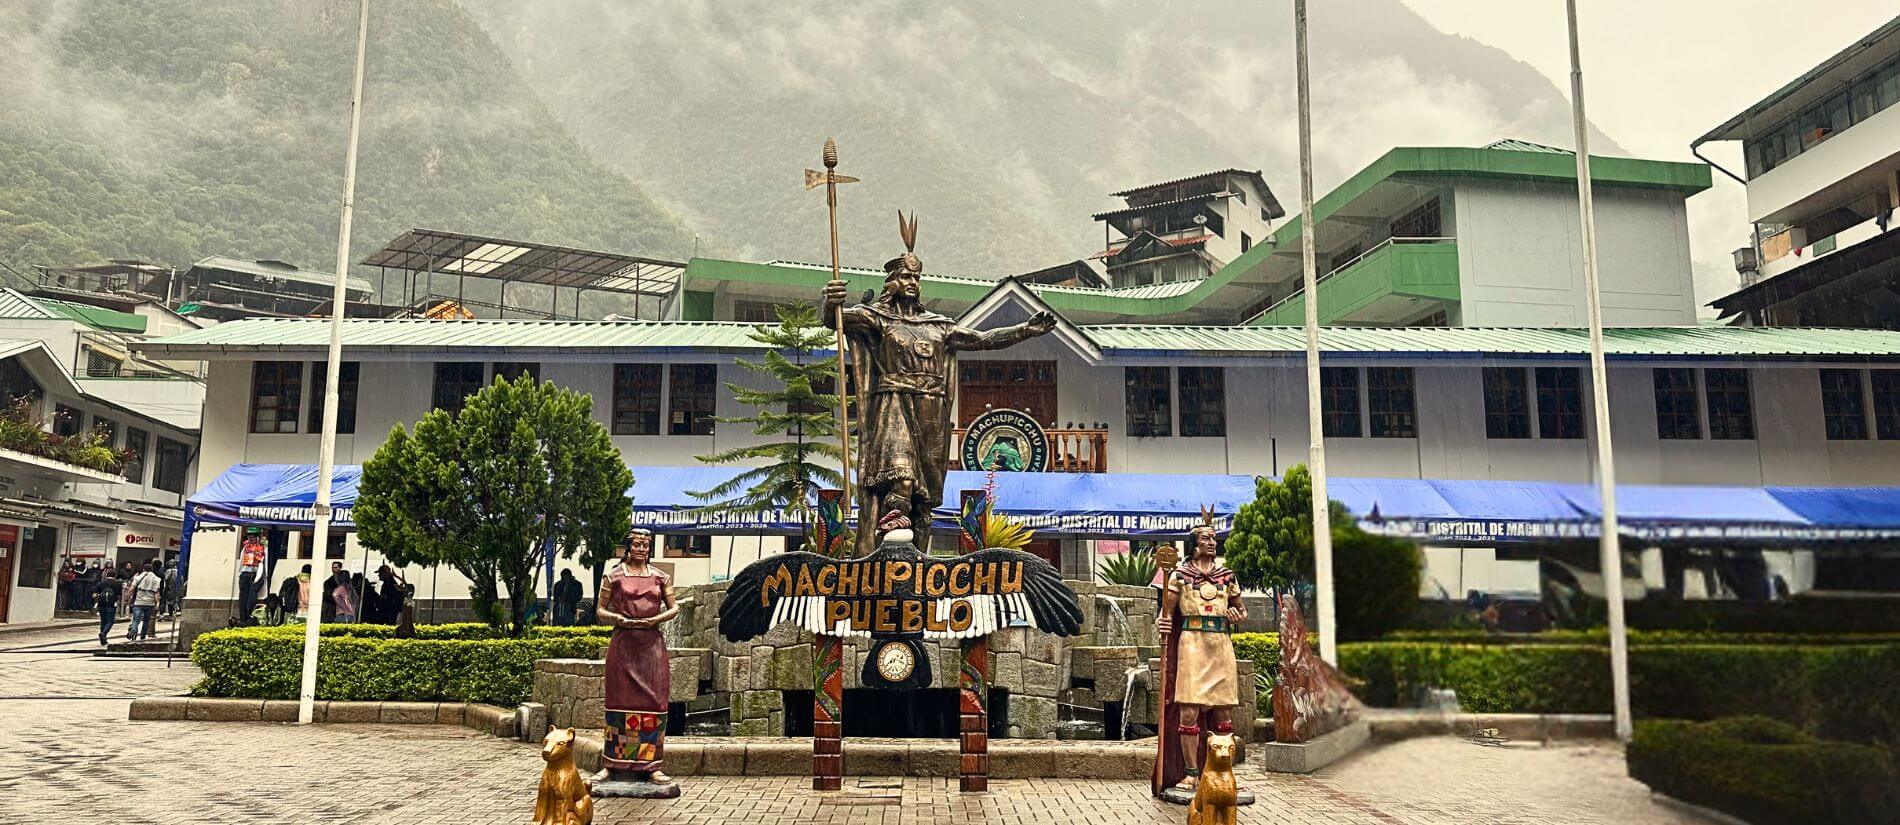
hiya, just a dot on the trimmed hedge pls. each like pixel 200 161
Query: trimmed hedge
pixel 456 630
pixel 357 665
pixel 1765 771
pixel 1601 636
pixel 1838 691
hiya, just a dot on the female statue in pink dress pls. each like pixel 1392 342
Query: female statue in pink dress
pixel 635 599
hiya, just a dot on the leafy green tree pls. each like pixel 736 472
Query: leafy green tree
pixel 1375 581
pixel 805 453
pixel 484 491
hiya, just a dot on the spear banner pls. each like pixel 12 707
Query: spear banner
pixel 830 180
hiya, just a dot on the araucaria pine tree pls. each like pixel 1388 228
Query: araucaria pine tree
pixel 805 454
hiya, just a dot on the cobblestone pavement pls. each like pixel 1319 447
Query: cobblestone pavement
pixel 73 759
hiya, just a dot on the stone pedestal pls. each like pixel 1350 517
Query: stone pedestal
pixel 611 783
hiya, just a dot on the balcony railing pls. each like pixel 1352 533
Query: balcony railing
pixel 1070 450
pixel 1266 305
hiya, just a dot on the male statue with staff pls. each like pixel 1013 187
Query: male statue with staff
pixel 903 359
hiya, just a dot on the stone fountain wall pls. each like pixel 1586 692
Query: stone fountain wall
pixel 1051 681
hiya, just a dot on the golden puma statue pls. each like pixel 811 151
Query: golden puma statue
pixel 1214 795
pixel 564 796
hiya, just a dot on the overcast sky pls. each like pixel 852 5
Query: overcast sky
pixel 1660 73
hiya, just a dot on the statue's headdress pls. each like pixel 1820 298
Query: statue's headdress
pixel 1207 520
pixel 907 262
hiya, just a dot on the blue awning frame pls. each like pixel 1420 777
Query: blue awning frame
pixel 1159 505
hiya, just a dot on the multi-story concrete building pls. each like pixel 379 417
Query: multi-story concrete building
pixel 1424 236
pixel 67 377
pixel 1185 229
pixel 1821 161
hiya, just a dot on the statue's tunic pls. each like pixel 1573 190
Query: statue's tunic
pixel 1205 672
pixel 639 677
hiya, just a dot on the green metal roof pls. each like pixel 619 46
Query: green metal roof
pixel 312 335
pixel 408 334
pixel 1628 342
pixel 15 304
pixel 97 317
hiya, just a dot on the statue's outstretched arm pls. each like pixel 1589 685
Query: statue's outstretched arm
pixel 965 339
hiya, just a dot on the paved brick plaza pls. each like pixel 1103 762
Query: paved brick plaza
pixel 71 757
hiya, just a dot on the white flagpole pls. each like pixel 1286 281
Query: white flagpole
pixel 1610 545
pixel 1315 431
pixel 326 460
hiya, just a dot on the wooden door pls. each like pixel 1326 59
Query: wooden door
pixel 1029 386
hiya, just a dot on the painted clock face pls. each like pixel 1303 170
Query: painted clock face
pixel 895 661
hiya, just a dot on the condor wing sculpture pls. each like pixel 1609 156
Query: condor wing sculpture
pixel 898 591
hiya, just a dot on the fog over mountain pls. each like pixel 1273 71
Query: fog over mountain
pixel 1004 124
pixel 169 131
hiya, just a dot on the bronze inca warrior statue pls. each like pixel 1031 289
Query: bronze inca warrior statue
pixel 904 364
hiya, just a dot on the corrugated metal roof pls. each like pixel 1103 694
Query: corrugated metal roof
pixel 96 317
pixel 387 334
pixel 1691 342
pixel 1515 145
pixel 1252 173
pixel 14 304
pixel 281 270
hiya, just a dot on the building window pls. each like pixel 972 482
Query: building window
pixel 1422 222
pixel 1339 402
pixel 345 396
pixel 1678 415
pixel 1559 402
pixel 102 365
pixel 1843 408
pixel 688 547
pixel 1886 404
pixel 455 381
pixel 308 540
pixel 511 370
pixel 1246 242
pixel 107 430
pixel 636 399
pixel 1507 403
pixel 170 464
pixel 1149 415
pixel 276 396
pixel 755 312
pixel 36 558
pixel 1203 401
pixel 69 421
pixel 1731 413
pixel 691 410
pixel 1391 409
pixel 136 442
pixel 17 383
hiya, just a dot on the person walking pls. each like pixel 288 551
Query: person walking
pixel 174 589
pixel 392 595
pixel 145 587
pixel 105 598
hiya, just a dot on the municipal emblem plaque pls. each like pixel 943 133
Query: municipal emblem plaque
pixel 1007 440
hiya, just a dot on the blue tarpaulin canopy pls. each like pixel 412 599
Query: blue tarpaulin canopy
pixel 1123 505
